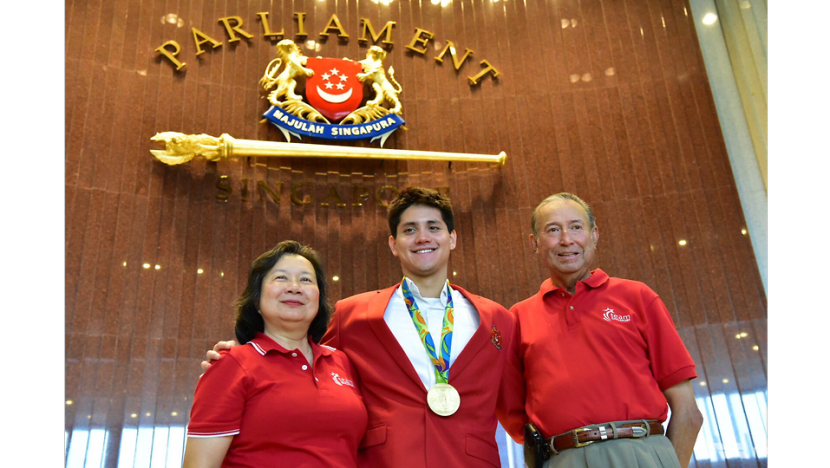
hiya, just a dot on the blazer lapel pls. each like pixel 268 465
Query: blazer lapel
pixel 480 338
pixel 377 307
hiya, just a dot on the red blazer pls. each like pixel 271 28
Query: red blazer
pixel 402 430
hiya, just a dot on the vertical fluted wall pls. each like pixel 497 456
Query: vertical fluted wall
pixel 607 99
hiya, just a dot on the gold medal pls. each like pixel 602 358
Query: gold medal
pixel 443 399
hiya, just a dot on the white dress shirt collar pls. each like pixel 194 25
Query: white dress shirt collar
pixel 397 318
pixel 416 292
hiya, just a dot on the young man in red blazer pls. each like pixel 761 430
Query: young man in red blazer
pixel 431 356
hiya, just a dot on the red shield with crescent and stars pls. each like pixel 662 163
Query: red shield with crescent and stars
pixel 334 90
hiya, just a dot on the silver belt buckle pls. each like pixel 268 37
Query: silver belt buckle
pixel 577 443
pixel 638 431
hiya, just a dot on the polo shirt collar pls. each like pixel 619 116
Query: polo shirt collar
pixel 264 344
pixel 597 279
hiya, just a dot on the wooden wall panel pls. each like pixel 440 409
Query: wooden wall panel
pixel 606 99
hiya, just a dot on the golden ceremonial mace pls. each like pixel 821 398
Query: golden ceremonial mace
pixel 181 148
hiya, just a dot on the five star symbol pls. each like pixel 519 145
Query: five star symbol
pixel 334 73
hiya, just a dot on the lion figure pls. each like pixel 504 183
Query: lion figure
pixel 289 54
pixel 384 91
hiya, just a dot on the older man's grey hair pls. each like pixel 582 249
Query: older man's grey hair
pixel 562 196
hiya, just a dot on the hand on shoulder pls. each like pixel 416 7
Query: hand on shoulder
pixel 213 354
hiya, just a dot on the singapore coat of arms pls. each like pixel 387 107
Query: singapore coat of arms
pixel 334 94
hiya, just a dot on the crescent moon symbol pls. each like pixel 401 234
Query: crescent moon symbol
pixel 335 98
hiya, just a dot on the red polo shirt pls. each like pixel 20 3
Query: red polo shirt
pixel 281 411
pixel 605 354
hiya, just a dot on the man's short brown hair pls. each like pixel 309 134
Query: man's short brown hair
pixel 419 196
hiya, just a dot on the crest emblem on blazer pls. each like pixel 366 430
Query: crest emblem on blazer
pixel 495 337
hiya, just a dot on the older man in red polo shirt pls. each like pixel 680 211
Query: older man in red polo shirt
pixel 600 356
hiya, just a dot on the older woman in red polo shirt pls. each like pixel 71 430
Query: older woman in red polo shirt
pixel 282 400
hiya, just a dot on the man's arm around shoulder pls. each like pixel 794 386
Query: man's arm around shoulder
pixel 213 354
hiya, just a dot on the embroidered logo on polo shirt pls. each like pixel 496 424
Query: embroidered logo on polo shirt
pixel 609 315
pixel 341 381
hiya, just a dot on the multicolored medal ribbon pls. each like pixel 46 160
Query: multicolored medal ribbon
pixel 442 361
pixel 442 398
